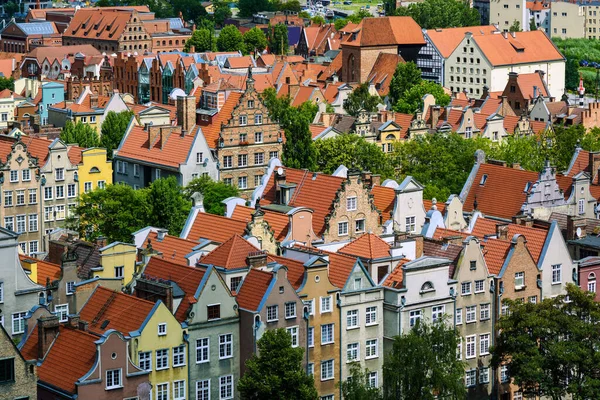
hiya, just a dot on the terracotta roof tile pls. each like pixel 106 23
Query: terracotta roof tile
pixel 295 269
pixel 494 253
pixel 442 233
pixel 215 227
pixel 187 278
pixel 340 267
pixel 384 198
pixel 99 24
pixel 383 70
pixel 172 248
pixel 212 131
pixel 404 121
pixel 45 270
pixel 526 83
pixel 580 164
pixel 395 278
pixel 446 40
pixel 253 289
pixel 368 246
pixel 435 248
pixel 232 254
pixel 277 221
pixel 386 31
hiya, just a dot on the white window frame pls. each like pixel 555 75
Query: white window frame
pixel 352 352
pixel 325 300
pixel 162 329
pixel 471 314
pixel 352 319
pixel 204 386
pixel 470 347
pixel 270 309
pixel 484 311
pixel 179 396
pixel 484 344
pixel 519 277
pixel 164 388
pixel 178 353
pixel 351 203
pixel 227 345
pixel 343 228
pixel 119 376
pixel 294 333
pixel 465 288
pixel 484 375
pixel 556 274
pixel 437 312
pixel 371 316
pixel 62 310
pixel 325 375
pixel 370 346
pixel 162 359
pixel 290 310
pixel 328 340
pixel 204 349
pixel 480 286
pixel 225 382
pixel 414 316
pixel 145 357
pixel 458 316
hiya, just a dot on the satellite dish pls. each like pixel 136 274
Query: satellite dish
pixel 578 232
pixel 280 171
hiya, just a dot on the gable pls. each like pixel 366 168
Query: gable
pixel 212 290
pixel 358 273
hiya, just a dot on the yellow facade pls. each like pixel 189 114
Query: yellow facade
pixel 117 260
pixel 389 136
pixel 92 120
pixel 150 340
pixel 95 170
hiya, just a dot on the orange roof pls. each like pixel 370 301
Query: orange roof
pixel 45 270
pixel 494 253
pixel 253 290
pixel 580 164
pixel 187 278
pixel 384 198
pixel 446 40
pixel 172 248
pixel 394 278
pixel 99 24
pixel 304 94
pixel 383 71
pixel 232 254
pixel 212 131
pixel 368 246
pixel 125 313
pixel 525 47
pixel 240 62
pixel 38 147
pixel 215 227
pixel 386 31
pixel 277 221
pixel 316 130
pixel 526 83
pixel 442 233
pixel 59 53
pixel 404 121
pixel 295 269
pixel 427 204
pixel 340 267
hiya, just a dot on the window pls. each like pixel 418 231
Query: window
pixel 505 310
pixel 21 224
pixel 414 316
pixel 326 370
pixel 60 192
pixel 258 119
pixel 310 304
pixel 342 228
pixel 556 274
pixel 352 319
pixel 484 375
pixel 504 376
pixel 14 176
pixel 179 356
pixel 591 286
pixel 272 313
pixel 20 195
pixel 273 154
pixel 227 161
pixel 213 311
pixel 48 213
pixel 470 346
pixel 146 360
pixel 9 223
pixel 325 304
pixel 8 198
pixel 18 322
pixel 87 187
pixel 471 314
pixel 235 283
pixel 410 224
pixel 32 196
pixel 202 350
pixel 59 174
pixel 459 349
pixel 258 137
pixel 372 380
pixel 519 395
pixel 250 103
pixel 242 160
pixel 101 184
pixel 352 352
pixel 162 391
pixel 479 286
pixel 226 387
pixel 371 315
pixel 471 378
pixel 465 288
pixel 179 390
pixel 436 313
pixel 326 334
pixel 84 120
pixel 468 129
pixel 136 170
pixel 33 247
pixel 458 316
pixel 243 120
pixel 293 331
pixel 62 310
pixel 113 379
pixel 351 204
pixel 484 344
pixel 259 158
pixel 371 348
pixel 290 310
pixel 203 390
pixel 199 158
pixel 60 212
pixel 242 182
pixel 484 312
pixel 360 225
pixel 1 292
pixel 520 280
pixel 311 336
pixel 227 181
pixel 226 346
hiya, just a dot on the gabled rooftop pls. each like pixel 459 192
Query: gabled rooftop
pixel 253 290
pixel 214 227
pixel 367 246
pixel 232 254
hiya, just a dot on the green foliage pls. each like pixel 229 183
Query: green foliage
pixel 515 27
pixel 255 40
pixel 213 193
pixel 113 130
pixel 353 151
pixel 358 16
pixel 7 83
pixel 412 100
pixel 192 10
pixel 340 23
pixel 249 7
pixel 551 347
pixel 423 365
pixel 221 12
pixel 291 5
pixel 405 77
pixel 571 74
pixel 278 39
pixel 431 14
pixel 168 206
pixel 361 99
pixel 579 49
pixel 277 372
pixel 202 40
pixel 318 19
pixel 230 39
pixel 113 212
pixel 532 25
pixel 525 150
pixel 11 8
pixel 356 387
pixel 81 134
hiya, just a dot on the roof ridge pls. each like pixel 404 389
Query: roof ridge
pixel 299 187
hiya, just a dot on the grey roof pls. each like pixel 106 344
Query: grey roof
pixel 426 262
pixel 37 28
pixel 588 241
pixel 175 23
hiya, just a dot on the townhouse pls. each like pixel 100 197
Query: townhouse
pixel 20 378
pixel 19 37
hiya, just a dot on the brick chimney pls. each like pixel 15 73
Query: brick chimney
pixel 160 234
pixel 595 165
pixel 93 100
pixel 74 321
pixel 367 178
pixel 257 259
pixel 573 225
pixel 101 241
pixel 186 112
pixel 502 231
pixel 418 245
pixel 435 115
pixel 47 332
pixel 153 133
pixel 83 326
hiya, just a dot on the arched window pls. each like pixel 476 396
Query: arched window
pixel 591 282
pixel 352 68
pixel 427 287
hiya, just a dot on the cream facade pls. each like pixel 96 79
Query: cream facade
pixel 504 13
pixel 567 20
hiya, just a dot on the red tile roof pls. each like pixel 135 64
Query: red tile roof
pixel 384 198
pixel 394 278
pixel 340 267
pixel 383 70
pixel 525 48
pixel 580 164
pixel 232 254
pixel 386 31
pixel 446 40
pixel 172 248
pixel 187 278
pixel 368 246
pixel 404 121
pixel 295 269
pixel 212 131
pixel 526 83
pixel 215 227
pixel 38 147
pixel 441 233
pixel 254 288
pixel 494 253
pixel 45 270
pixel 125 313
pixel 277 221
pixel 99 24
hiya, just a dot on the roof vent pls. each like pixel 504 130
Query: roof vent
pixel 105 324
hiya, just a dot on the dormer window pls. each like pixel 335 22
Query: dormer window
pixel 483 179
pixel 427 287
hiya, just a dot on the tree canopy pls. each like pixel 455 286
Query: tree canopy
pixel 213 193
pixel 361 99
pixel 405 77
pixel 432 14
pixel 168 206
pixel 113 130
pixel 7 83
pixel 81 134
pixel 277 372
pixel 230 39
pixel 278 39
pixel 250 7
pixel 202 40
pixel 357 386
pixel 412 100
pixel 255 40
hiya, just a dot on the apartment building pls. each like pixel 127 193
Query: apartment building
pixel 505 13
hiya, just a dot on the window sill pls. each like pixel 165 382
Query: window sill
pixel 327 344
pixel 272 320
pixel 465 294
pixel 162 369
pixel 482 291
pixel 179 366
pixel 114 387
pixel 351 328
pixel 556 283
pixel 471 322
pixel 520 288
pixel 292 317
pixel 225 358
pixel 371 357
pixel 352 361
pixel 326 379
pixel 372 324
pixel 203 362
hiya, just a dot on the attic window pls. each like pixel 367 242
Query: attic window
pixel 483 179
pixel 427 287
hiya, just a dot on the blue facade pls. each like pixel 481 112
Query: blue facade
pixel 52 93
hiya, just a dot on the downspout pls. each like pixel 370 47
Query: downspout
pixel 306 318
pixel 256 326
pixel 339 305
pixel 495 387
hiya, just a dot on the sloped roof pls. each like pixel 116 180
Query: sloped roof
pixel 215 227
pixel 187 278
pixel 232 254
pixel 386 31
pixel 523 48
pixel 253 289
pixel 45 270
pixel 368 246
pixel 277 221
pixel 99 24
pixel 38 28
pixel 434 248
pixel 579 163
pixel 494 253
pixel 442 233
pixel 446 40
pixel 395 278
pixel 172 248
pixel 383 71
pixel 295 269
pixel 125 313
pixel 211 132
pixel 340 267
pixel 384 198
pixel 528 81
pixel 59 53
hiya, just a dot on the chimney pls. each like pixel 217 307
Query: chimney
pixel 367 178
pixel 502 231
pixel 594 163
pixel 504 107
pixel 82 326
pixel 160 234
pixel 186 112
pixel 535 92
pixel 486 92
pixel 376 180
pixel 153 133
pixel 418 245
pixel 435 115
pixel 74 321
pixel 47 332
pixel 516 165
pixel 101 241
pixel 257 259
pixel 93 101
pixel 165 132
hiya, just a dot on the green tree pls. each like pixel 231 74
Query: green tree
pixel 191 10
pixel 81 134
pixel 250 7
pixel 359 16
pixel 291 5
pixel 525 150
pixel 168 206
pixel 222 11
pixel 357 387
pixel 278 39
pixel 423 364
pixel 299 149
pixel 551 348
pixel 277 106
pixel 432 14
pixel 353 151
pixel 113 212
pixel 412 100
pixel 277 372
pixel 340 23
pixel 405 77
pixel 361 99
pixel 230 39
pixel 213 193
pixel 532 25
pixel 10 8
pixel 255 40
pixel 318 20
pixel 202 40
pixel 571 74
pixel 113 130
pixel 7 83
pixel 515 27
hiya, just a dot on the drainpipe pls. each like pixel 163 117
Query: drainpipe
pixel 306 318
pixel 256 326
pixel 453 294
pixel 402 304
pixel 495 387
pixel 339 305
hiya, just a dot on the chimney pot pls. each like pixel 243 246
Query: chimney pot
pixel 502 231
pixel 160 234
